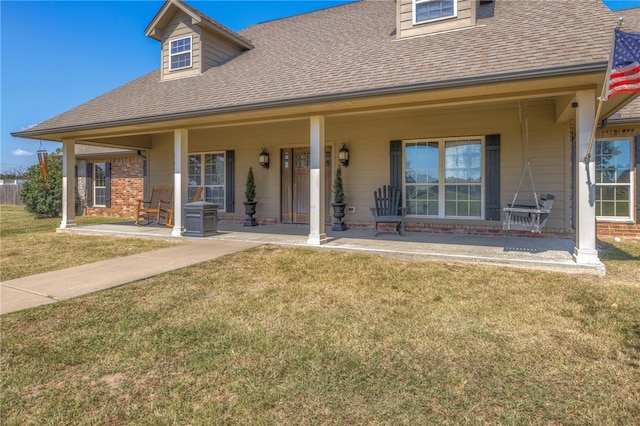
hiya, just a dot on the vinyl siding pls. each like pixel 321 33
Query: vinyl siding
pixel 180 26
pixel 466 17
pixel 367 137
pixel 216 50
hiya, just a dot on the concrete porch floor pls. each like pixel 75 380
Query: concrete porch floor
pixel 553 254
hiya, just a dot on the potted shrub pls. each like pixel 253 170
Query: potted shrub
pixel 338 202
pixel 250 203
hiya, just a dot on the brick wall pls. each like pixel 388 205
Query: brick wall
pixel 127 186
pixel 612 229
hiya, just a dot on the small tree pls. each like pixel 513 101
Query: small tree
pixel 250 191
pixel 338 188
pixel 43 199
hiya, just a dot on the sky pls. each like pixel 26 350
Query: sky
pixel 56 55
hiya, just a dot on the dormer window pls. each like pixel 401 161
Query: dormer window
pixel 180 53
pixel 432 10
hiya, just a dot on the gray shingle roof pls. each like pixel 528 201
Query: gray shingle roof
pixel 352 49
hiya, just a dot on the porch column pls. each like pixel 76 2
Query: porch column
pixel 180 166
pixel 68 184
pixel 585 251
pixel 317 235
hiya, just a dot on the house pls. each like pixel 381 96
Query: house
pixel 447 100
pixel 617 149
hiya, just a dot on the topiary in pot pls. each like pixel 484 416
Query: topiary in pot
pixel 338 202
pixel 250 203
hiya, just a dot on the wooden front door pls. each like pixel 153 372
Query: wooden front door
pixel 295 181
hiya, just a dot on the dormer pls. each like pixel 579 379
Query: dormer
pixel 420 17
pixel 191 41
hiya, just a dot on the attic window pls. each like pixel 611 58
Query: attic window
pixel 180 53
pixel 432 10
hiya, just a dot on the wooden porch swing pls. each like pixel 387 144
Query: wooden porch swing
pixel 527 217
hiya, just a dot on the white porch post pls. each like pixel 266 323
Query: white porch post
pixel 585 251
pixel 68 184
pixel 180 164
pixel 317 236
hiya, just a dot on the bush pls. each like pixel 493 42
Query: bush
pixel 250 191
pixel 43 199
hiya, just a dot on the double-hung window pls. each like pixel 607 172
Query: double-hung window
pixel 431 10
pixel 208 170
pixel 614 180
pixel 180 53
pixel 444 178
pixel 100 184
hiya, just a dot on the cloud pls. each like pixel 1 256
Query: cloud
pixel 22 153
pixel 28 127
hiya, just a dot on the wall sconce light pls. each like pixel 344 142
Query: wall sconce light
pixel 263 159
pixel 343 155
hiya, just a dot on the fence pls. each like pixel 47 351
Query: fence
pixel 10 194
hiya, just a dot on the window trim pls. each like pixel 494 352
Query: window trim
pixel 415 4
pixel 442 184
pixel 630 214
pixel 190 52
pixel 94 186
pixel 202 154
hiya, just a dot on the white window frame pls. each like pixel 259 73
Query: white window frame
pixel 629 217
pixel 97 187
pixel 220 187
pixel 418 2
pixel 184 52
pixel 442 184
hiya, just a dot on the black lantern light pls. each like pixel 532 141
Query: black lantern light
pixel 343 155
pixel 264 158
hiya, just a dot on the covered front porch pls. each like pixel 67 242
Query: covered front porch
pixel 547 254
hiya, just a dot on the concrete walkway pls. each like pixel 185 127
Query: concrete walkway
pixel 550 254
pixel 51 287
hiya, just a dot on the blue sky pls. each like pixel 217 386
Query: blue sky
pixel 55 55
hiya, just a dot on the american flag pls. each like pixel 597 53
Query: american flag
pixel 624 74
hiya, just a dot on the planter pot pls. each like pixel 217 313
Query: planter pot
pixel 338 214
pixel 249 211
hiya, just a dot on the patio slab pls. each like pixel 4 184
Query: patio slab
pixel 554 254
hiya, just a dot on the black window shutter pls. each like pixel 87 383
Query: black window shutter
pixel 89 186
pixel 229 158
pixel 107 184
pixel 492 177
pixel 395 169
pixel 637 179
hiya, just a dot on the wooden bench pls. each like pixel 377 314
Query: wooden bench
pixel 387 208
pixel 528 218
pixel 148 208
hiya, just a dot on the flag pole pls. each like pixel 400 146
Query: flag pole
pixel 601 99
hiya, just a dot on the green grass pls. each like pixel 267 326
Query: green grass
pixel 30 246
pixel 306 336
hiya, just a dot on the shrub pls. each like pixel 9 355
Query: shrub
pixel 43 199
pixel 250 191
pixel 338 188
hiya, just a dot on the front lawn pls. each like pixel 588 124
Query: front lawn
pixel 306 336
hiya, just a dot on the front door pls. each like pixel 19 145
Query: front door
pixel 295 181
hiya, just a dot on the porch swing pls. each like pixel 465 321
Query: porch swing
pixel 43 164
pixel 527 217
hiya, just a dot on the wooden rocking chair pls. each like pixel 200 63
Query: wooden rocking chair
pixel 387 208
pixel 146 208
pixel 166 209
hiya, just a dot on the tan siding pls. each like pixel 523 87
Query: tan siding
pixel 466 17
pixel 160 161
pixel 216 50
pixel 367 138
pixel 180 26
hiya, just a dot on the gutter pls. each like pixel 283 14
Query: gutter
pixel 447 84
